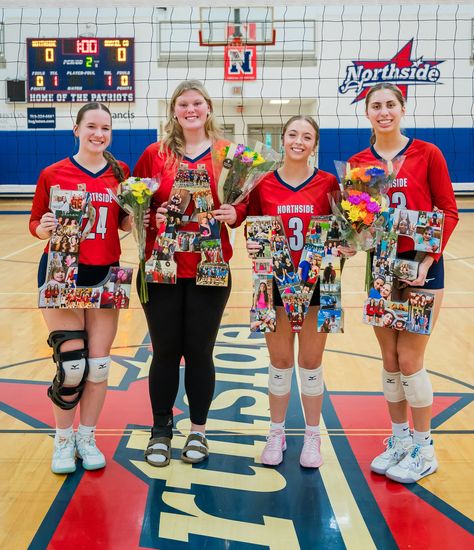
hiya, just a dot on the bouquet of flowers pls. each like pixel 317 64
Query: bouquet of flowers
pixel 238 169
pixel 134 196
pixel 362 204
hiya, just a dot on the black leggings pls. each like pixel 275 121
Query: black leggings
pixel 183 321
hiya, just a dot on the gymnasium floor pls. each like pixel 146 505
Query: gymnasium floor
pixel 232 501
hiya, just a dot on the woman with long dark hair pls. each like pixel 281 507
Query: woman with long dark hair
pixel 423 183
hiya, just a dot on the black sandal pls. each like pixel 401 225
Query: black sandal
pixel 188 446
pixel 161 452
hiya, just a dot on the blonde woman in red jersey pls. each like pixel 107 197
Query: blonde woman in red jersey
pixel 296 192
pixel 423 183
pixel 183 318
pixel 82 338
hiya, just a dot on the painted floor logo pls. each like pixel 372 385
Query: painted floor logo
pixel 401 70
pixel 231 500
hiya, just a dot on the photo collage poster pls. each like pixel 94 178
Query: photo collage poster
pixel 383 306
pixel 60 290
pixel 262 312
pixel 319 261
pixel 190 185
pixel 294 295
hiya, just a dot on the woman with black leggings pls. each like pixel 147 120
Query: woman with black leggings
pixel 183 318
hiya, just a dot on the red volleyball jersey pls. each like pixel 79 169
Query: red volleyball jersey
pixel 154 164
pixel 295 205
pixel 102 246
pixel 422 183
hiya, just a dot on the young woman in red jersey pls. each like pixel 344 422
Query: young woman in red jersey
pixel 296 192
pixel 82 338
pixel 423 183
pixel 174 312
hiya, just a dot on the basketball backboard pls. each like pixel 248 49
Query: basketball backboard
pixel 247 25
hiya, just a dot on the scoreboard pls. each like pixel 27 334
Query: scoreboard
pixel 79 70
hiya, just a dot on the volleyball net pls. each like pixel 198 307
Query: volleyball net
pixel 261 65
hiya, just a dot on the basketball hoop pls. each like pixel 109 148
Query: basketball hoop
pixel 209 43
pixel 239 38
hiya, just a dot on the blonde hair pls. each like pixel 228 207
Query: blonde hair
pixel 173 140
pixel 383 86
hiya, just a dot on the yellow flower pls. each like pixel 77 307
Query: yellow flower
pixel 248 154
pixel 354 213
pixel 258 160
pixel 138 187
pixel 138 197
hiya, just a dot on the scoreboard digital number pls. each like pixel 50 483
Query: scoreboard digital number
pixel 79 70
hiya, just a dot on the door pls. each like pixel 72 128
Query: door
pixel 268 134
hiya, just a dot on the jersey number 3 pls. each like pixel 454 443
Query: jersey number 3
pixel 296 241
pixel 399 200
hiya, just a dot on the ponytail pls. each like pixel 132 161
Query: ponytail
pixel 116 168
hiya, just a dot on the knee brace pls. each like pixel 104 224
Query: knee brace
pixel 312 383
pixel 392 386
pixel 98 369
pixel 71 368
pixel 418 389
pixel 279 380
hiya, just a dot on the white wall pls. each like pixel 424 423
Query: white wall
pixel 343 34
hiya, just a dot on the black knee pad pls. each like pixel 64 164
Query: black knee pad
pixel 72 368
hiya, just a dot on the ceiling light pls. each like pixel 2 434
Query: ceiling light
pixel 279 101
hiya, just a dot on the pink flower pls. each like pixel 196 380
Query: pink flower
pixel 373 206
pixel 247 160
pixel 354 199
pixel 240 149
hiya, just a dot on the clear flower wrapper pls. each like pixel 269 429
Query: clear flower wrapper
pixel 134 196
pixel 362 203
pixel 238 169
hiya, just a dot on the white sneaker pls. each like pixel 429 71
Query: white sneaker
pixel 311 453
pixel 397 449
pixel 64 455
pixel 419 462
pixel 272 454
pixel 92 458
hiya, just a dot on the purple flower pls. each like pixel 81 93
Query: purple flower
pixel 354 199
pixel 365 197
pixel 247 160
pixel 240 149
pixel 373 206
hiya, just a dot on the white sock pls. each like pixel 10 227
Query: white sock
pixel 157 458
pixel 422 438
pixel 196 454
pixel 401 430
pixel 313 429
pixel 64 433
pixel 85 431
pixel 277 426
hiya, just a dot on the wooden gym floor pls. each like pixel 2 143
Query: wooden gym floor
pixel 231 501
